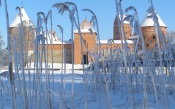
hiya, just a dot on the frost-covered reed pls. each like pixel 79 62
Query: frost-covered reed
pixel 117 78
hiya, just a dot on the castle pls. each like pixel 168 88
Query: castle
pixel 89 38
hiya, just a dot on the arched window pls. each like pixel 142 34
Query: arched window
pixel 85 58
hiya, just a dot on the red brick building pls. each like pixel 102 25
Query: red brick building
pixel 148 31
pixel 90 39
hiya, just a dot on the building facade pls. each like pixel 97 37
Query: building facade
pixel 127 29
pixel 82 50
pixel 148 31
pixel 28 31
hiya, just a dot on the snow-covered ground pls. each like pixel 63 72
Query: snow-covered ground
pixel 58 66
pixel 49 88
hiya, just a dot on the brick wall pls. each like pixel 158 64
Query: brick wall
pixel 57 53
pixel 150 36
pixel 127 29
pixel 90 41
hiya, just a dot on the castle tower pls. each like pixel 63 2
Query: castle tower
pixel 127 28
pixel 89 40
pixel 149 34
pixel 25 19
pixel 28 27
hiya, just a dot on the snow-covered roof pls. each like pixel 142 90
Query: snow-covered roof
pixel 84 31
pixel 148 21
pixel 116 41
pixel 64 42
pixel 24 18
pixel 54 39
pixel 85 26
pixel 125 22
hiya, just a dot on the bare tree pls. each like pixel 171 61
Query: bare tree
pixel 28 33
pixel 3 52
pixel 171 37
pixel 1 41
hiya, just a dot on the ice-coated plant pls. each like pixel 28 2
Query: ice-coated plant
pixel 123 79
pixel 137 31
pixel 124 46
pixel 22 49
pixel 61 85
pixel 61 31
pixel 161 50
pixel 62 7
pixel 49 15
pixel 95 23
pixel 10 69
pixel 66 6
pixel 42 38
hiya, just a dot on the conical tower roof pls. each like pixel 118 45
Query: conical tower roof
pixel 148 21
pixel 25 19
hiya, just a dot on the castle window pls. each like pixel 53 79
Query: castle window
pixel 154 37
pixel 147 45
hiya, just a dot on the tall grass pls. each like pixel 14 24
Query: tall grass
pixel 116 77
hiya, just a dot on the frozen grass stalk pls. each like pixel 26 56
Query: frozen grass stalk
pixel 114 73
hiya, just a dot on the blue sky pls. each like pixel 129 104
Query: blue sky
pixel 105 11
